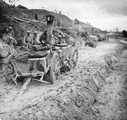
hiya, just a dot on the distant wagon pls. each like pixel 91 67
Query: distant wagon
pixel 92 41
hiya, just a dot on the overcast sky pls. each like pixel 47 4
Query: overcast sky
pixel 104 14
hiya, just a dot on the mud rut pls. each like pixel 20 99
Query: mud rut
pixel 94 90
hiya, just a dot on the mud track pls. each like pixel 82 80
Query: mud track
pixel 94 90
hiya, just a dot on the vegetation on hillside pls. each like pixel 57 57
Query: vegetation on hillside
pixel 7 18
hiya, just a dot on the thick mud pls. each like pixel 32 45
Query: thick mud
pixel 95 90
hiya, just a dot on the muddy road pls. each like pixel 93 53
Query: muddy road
pixel 94 90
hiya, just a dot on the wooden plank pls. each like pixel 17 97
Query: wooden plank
pixel 23 88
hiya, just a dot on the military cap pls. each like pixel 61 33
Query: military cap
pixel 10 28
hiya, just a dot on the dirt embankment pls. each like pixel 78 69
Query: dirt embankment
pixel 94 90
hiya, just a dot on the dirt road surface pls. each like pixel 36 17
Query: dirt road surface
pixel 94 90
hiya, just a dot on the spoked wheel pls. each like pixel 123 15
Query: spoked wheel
pixel 55 69
pixel 74 59
pixel 10 73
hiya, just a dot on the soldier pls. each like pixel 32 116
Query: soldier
pixel 60 37
pixel 12 41
pixel 35 38
pixel 28 42
pixel 55 37
pixel 8 37
pixel 5 36
pixel 50 26
pixel 11 32
pixel 43 38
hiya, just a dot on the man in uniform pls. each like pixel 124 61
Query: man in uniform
pixel 8 37
pixel 28 42
pixel 45 38
pixel 11 32
pixel 12 41
pixel 5 36
pixel 35 38
pixel 55 37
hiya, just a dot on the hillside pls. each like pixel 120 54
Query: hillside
pixel 9 12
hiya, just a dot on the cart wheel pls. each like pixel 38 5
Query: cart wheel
pixel 9 73
pixel 55 69
pixel 74 59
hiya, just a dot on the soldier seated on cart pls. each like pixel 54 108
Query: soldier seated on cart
pixel 28 42
pixel 43 38
pixel 11 32
pixel 12 42
pixel 55 37
pixel 35 38
pixel 5 36
pixel 9 39
pixel 60 38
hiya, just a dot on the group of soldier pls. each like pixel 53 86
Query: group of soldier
pixel 33 38
pixel 9 38
pixel 30 40
pixel 49 36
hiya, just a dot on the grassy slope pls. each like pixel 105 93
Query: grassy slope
pixel 8 13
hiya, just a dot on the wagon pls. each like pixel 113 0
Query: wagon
pixel 92 41
pixel 43 65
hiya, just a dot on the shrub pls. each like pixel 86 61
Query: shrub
pixel 124 32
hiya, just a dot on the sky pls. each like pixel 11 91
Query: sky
pixel 103 14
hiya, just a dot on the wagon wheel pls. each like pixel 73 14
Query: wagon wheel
pixel 10 73
pixel 55 69
pixel 74 59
